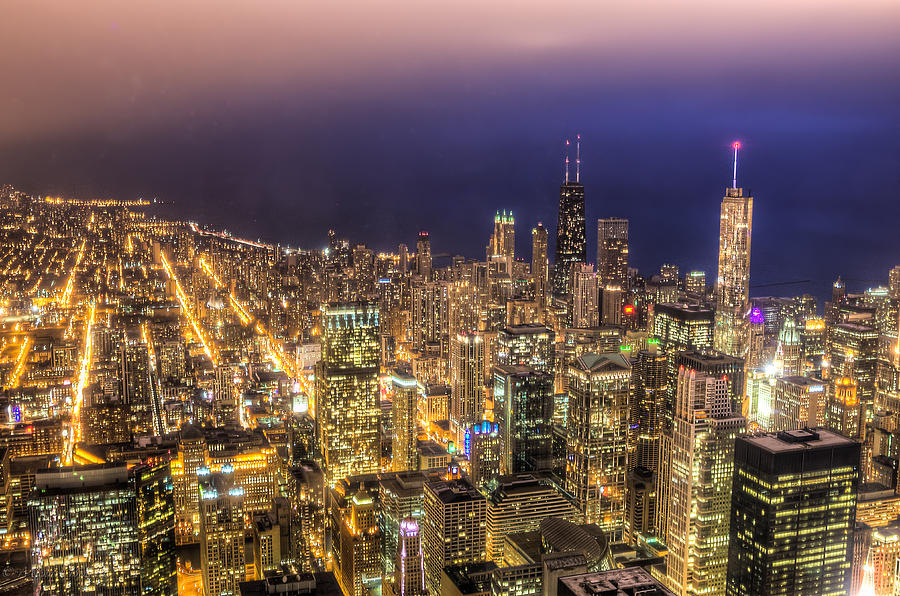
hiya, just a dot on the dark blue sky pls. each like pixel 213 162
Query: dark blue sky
pixel 380 138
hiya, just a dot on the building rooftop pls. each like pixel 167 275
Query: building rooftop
pixel 633 581
pixel 802 381
pixel 684 310
pixel 797 440
pixel 526 329
pixel 454 491
pixel 471 578
pixel 606 362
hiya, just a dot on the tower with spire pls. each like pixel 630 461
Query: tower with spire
pixel 571 241
pixel 503 240
pixel 733 279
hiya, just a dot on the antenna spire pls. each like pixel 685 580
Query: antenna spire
pixel 567 161
pixel 736 145
pixel 578 158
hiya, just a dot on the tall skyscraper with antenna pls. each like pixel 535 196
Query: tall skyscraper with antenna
pixel 733 280
pixel 571 234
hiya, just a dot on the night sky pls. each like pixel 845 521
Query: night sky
pixel 282 119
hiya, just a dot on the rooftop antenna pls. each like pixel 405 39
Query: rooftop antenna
pixel 736 145
pixel 567 161
pixel 578 158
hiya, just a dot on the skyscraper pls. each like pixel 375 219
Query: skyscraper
pixel 894 282
pixel 137 386
pixel 682 326
pixel 793 508
pixel 152 481
pixel 409 569
pixel 612 252
pixel 85 531
pixel 640 503
pixel 843 412
pixel 503 240
pixel 585 298
pixel 648 406
pixel 523 409
pixel 483 446
pixel 797 402
pixel 527 345
pixel 423 255
pixel 709 363
pixel 403 413
pixel 695 282
pixel 466 381
pixel 597 446
pixel 733 278
pixel 853 353
pixel 430 313
pixel 540 266
pixel 699 486
pixel 360 540
pixel 347 390
pixel 453 530
pixel 221 534
pixel 571 243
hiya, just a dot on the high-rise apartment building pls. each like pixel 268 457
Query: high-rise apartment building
pixel 793 508
pixel 640 504
pixel 155 513
pixel 423 255
pixel 347 409
pixel 404 408
pixel 894 282
pixel 483 445
pixel 540 265
pixel 585 297
pixel 221 534
pixel 523 410
pixel 699 483
pixel 648 406
pixel 467 353
pixel 733 277
pixel 530 345
pixel 612 252
pixel 597 446
pixel 85 532
pixel 430 313
pixel 454 528
pixel 400 495
pixel 137 387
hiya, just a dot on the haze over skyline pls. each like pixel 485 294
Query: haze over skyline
pixel 286 122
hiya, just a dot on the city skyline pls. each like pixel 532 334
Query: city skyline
pixel 522 243
pixel 283 146
pixel 504 298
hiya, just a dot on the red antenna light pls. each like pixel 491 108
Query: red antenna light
pixel 736 145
